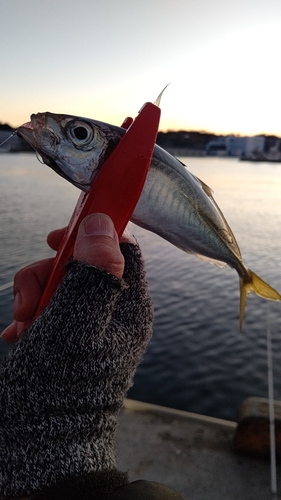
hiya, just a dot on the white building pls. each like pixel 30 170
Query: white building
pixel 237 146
pixel 254 145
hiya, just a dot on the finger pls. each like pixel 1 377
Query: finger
pixel 54 238
pixel 10 333
pixel 29 284
pixel 97 244
pixel 14 330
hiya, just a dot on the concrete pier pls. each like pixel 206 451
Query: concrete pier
pixel 191 453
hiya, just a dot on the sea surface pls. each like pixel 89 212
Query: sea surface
pixel 197 359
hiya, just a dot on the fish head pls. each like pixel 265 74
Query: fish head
pixel 74 147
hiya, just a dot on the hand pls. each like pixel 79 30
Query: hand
pixel 96 244
pixel 64 381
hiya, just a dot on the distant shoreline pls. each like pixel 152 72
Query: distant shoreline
pixel 180 143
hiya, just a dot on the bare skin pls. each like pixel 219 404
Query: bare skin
pixel 97 244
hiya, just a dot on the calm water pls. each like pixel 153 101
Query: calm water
pixel 197 360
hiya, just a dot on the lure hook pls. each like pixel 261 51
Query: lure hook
pixel 157 101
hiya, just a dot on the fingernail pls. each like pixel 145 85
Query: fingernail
pixel 17 301
pixel 2 336
pixel 7 329
pixel 99 225
pixel 21 325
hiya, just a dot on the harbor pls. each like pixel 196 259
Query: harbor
pixel 196 361
pixel 194 454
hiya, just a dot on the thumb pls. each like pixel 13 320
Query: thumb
pixel 97 244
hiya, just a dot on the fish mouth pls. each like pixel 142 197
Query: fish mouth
pixel 32 132
pixel 26 131
pixel 29 129
pixel 27 125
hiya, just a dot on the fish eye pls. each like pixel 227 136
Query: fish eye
pixel 80 133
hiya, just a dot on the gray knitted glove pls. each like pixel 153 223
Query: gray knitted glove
pixel 63 383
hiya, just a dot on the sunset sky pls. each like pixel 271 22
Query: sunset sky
pixel 104 59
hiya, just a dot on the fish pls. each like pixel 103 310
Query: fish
pixel 174 203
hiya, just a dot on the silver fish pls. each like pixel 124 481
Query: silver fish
pixel 174 203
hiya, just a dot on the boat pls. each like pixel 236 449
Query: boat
pixel 262 157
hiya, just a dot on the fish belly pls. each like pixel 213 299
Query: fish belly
pixel 175 206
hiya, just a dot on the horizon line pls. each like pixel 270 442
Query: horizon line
pixel 200 131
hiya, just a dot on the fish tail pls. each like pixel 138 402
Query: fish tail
pixel 254 284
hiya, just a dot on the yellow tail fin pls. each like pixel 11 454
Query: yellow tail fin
pixel 259 287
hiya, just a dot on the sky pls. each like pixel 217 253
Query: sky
pixel 104 59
